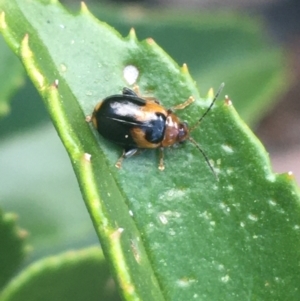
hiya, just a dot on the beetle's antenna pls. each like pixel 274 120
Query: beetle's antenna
pixel 205 157
pixel 212 103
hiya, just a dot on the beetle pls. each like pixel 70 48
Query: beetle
pixel 136 122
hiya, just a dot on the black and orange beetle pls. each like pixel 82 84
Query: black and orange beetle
pixel 137 122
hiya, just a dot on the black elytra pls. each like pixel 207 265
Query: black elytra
pixel 135 122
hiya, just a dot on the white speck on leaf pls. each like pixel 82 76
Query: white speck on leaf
pixel 225 278
pixel 130 74
pixel 185 282
pixel 253 217
pixel 227 148
pixel 163 218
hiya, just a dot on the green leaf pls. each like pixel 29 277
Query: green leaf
pixel 11 76
pixel 12 246
pixel 76 275
pixel 177 234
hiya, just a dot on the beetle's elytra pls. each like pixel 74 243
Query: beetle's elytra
pixel 137 122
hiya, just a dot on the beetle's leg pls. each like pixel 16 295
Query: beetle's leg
pixel 161 165
pixel 125 154
pixel 184 105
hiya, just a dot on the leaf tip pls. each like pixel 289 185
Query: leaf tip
pixel 27 57
pixel 132 34
pixel 2 21
pixel 25 50
pixel 185 68
pixel 150 41
pixel 210 93
pixel 83 8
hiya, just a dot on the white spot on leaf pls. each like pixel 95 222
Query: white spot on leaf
pixel 225 279
pixel 163 218
pixel 227 148
pixel 130 74
pixel 253 217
